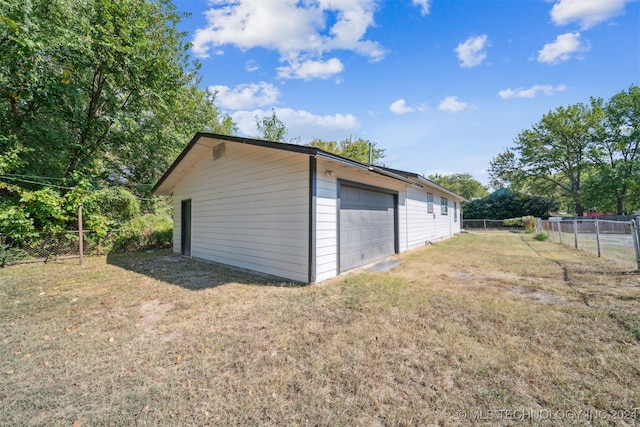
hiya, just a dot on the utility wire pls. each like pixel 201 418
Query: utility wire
pixel 34 182
pixel 59 179
pixel 60 186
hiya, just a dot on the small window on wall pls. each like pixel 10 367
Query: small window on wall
pixel 455 211
pixel 429 202
pixel 444 206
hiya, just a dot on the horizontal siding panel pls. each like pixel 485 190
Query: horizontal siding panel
pixel 326 209
pixel 250 209
pixel 329 249
pixel 424 226
pixel 259 255
pixel 291 244
pixel 274 230
pixel 326 234
pixel 327 263
pixel 325 275
pixel 284 221
pixel 326 226
pixel 272 267
pixel 263 191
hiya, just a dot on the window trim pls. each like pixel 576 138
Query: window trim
pixel 430 203
pixel 444 206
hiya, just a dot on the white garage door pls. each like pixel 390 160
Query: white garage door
pixel 367 226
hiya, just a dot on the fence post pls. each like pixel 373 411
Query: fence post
pixel 80 237
pixel 575 233
pixel 635 234
pixel 598 238
pixel 560 231
pixel 484 221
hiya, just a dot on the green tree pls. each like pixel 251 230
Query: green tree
pixel 461 183
pixel 357 149
pixel 97 89
pixel 509 204
pixel 553 154
pixel 615 183
pixel 271 128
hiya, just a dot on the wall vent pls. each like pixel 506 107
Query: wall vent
pixel 219 151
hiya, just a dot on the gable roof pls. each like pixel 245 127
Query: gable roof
pixel 203 141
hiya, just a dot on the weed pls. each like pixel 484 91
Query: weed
pixel 542 236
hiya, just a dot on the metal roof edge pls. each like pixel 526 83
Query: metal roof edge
pixel 441 188
pixel 177 161
pixel 427 181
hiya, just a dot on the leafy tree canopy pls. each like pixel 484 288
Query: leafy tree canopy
pixel 99 90
pixel 357 149
pixel 271 128
pixel 461 183
pixel 589 153
pixel 509 204
pixel 97 97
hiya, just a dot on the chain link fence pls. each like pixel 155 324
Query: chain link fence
pixel 617 240
pixel 484 224
pixel 63 245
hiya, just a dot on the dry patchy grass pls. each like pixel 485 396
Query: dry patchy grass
pixel 478 322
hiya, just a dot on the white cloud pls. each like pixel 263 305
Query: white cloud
pixel 451 103
pixel 472 51
pixel 301 32
pixel 561 49
pixel 423 5
pixel 587 12
pixel 300 123
pixel 400 107
pixel 311 69
pixel 531 92
pixel 245 95
pixel 251 66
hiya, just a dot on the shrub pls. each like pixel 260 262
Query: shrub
pixel 542 236
pixel 105 209
pixel 16 225
pixel 146 231
pixel 526 222
pixel 8 254
pixel 509 204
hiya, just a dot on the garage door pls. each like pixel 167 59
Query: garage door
pixel 367 226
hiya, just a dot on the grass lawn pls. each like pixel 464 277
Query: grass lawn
pixel 524 331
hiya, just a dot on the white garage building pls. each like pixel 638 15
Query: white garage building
pixel 298 212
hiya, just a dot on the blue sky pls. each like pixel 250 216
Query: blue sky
pixel 443 86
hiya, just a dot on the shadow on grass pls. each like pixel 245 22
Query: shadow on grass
pixel 165 266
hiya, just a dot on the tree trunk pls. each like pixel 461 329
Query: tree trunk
pixel 619 206
pixel 579 209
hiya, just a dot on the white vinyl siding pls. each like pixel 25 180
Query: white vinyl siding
pixel 421 223
pixel 425 226
pixel 250 209
pixel 328 173
pixel 326 226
